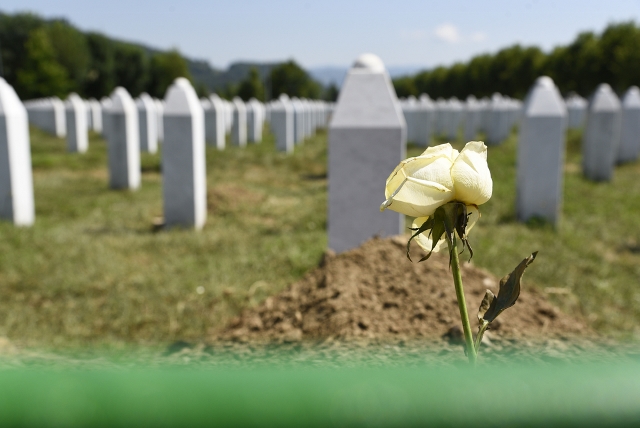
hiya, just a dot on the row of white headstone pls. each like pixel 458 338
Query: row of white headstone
pixel 426 118
pixel 368 133
pixel 131 126
pixel 292 120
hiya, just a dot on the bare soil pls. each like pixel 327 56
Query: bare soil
pixel 375 293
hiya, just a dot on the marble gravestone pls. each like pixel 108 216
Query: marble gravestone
pixel 541 146
pixel 184 187
pixel 215 123
pixel 601 135
pixel 298 120
pixel 105 108
pixel 96 115
pixel 239 126
pixel 498 126
pixel 16 179
pixel 456 116
pixel 159 118
pixel 576 111
pixel 147 123
pixel 409 109
pixel 282 118
pixel 367 140
pixel 124 141
pixel 254 121
pixel 59 128
pixel 472 118
pixel 424 116
pixel 77 130
pixel 630 127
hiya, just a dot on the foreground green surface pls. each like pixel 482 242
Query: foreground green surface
pixel 93 270
pixel 576 395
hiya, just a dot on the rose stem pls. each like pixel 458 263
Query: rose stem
pixel 462 304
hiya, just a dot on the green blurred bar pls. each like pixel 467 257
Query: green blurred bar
pixel 511 396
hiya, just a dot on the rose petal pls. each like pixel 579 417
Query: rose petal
pixel 471 175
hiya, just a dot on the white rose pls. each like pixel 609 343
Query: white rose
pixel 419 185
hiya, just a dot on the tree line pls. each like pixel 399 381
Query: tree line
pixel 611 57
pixel 42 58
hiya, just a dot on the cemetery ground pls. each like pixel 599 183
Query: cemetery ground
pixel 97 272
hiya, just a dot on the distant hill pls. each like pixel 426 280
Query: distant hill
pixel 333 74
pixel 215 79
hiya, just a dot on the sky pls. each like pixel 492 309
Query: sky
pixel 321 33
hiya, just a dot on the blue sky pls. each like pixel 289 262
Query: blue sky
pixel 333 33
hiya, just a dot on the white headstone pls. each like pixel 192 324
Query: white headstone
pixel 499 126
pixel 124 141
pixel 239 126
pixel 105 107
pixel 630 128
pixel 77 130
pixel 215 123
pixel 472 118
pixel 456 115
pixel 602 134
pixel 16 180
pixel 576 111
pixel 96 115
pixel 183 158
pixel 159 118
pixel 425 116
pixel 254 121
pixel 367 140
pixel 282 118
pixel 541 146
pixel 298 120
pixel 147 125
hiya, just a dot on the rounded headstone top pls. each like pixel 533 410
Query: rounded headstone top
pixel 631 98
pixel 121 101
pixel 604 99
pixel 369 62
pixel 545 82
pixel 283 97
pixel 10 104
pixel 181 99
pixel 74 101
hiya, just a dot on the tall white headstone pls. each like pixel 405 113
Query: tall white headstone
pixel 602 134
pixel 105 108
pixel 159 118
pixel 472 118
pixel 147 125
pixel 425 116
pixel 367 135
pixel 96 115
pixel 282 118
pixel 124 141
pixel 541 153
pixel 215 123
pixel 183 158
pixel 630 128
pixel 77 130
pixel 239 126
pixel 254 121
pixel 576 111
pixel 16 180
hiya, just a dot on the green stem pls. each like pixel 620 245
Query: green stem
pixel 462 304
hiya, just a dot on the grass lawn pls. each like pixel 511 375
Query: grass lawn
pixel 93 270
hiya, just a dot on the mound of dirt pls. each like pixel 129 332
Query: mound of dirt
pixel 374 292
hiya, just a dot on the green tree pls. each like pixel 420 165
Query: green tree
pixel 404 86
pixel 291 79
pixel 72 52
pixel 100 80
pixel 252 86
pixel 41 75
pixel 331 92
pixel 164 68
pixel 131 68
pixel 15 30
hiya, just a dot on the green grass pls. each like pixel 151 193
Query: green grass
pixel 92 270
pixel 594 254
